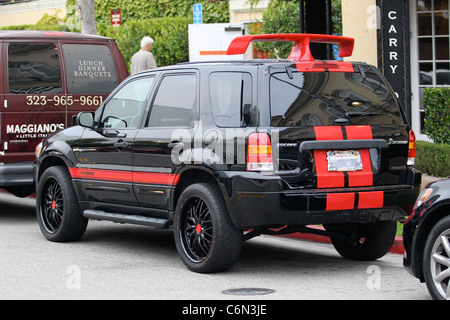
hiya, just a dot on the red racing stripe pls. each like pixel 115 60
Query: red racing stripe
pixel 372 199
pixel 325 178
pixel 363 177
pixel 346 201
pixel 359 132
pixel 328 133
pixel 340 201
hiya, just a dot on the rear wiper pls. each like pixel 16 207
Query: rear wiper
pixel 363 114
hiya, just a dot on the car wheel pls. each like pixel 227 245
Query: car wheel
pixel 205 237
pixel 58 213
pixel 436 262
pixel 373 240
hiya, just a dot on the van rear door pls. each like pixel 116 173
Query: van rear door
pixel 33 83
pixel 92 73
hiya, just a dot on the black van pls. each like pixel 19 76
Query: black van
pixel 46 78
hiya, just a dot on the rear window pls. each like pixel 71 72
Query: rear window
pixel 331 98
pixel 90 69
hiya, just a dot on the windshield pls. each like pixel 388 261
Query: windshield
pixel 331 98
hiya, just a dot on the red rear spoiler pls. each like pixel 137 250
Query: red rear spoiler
pixel 301 50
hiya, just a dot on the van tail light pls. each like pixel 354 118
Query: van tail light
pixel 259 153
pixel 411 148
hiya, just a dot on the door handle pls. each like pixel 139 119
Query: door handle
pixel 114 134
pixel 121 144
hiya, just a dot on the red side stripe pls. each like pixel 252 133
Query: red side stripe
pixel 373 199
pixel 99 174
pixel 340 201
pixel 125 176
pixel 156 177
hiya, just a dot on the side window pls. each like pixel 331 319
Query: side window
pixel 175 102
pixel 33 68
pixel 125 108
pixel 90 69
pixel 231 98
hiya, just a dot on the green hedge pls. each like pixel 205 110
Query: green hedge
pixel 433 158
pixel 436 103
pixel 214 11
pixel 170 34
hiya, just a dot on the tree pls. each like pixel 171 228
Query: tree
pixel 87 11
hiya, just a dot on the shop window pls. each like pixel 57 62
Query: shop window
pixel 433 46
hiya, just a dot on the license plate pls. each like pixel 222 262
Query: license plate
pixel 344 160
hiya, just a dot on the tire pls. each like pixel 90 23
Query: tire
pixel 58 213
pixel 206 239
pixel 374 241
pixel 436 260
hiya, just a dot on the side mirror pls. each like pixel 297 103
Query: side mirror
pixel 85 119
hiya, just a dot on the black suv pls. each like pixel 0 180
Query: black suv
pixel 225 151
pixel 426 238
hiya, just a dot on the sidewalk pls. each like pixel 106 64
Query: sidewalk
pixel 398 242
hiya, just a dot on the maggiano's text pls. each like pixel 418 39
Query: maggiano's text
pixel 34 128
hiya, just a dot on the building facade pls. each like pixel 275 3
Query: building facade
pixel 408 40
pixel 18 12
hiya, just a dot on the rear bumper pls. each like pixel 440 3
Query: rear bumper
pixel 255 200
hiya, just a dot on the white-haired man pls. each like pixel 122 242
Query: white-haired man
pixel 143 59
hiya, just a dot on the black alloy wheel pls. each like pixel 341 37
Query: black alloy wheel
pixel 58 212
pixel 197 229
pixel 52 206
pixel 206 239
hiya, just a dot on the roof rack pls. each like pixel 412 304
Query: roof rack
pixel 301 49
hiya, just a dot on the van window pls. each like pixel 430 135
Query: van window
pixel 33 68
pixel 332 98
pixel 231 98
pixel 90 69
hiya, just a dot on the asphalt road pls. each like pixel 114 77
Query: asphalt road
pixel 114 261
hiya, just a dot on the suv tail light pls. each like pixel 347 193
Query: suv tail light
pixel 259 152
pixel 411 148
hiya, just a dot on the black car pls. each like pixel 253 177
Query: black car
pixel 225 151
pixel 426 238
